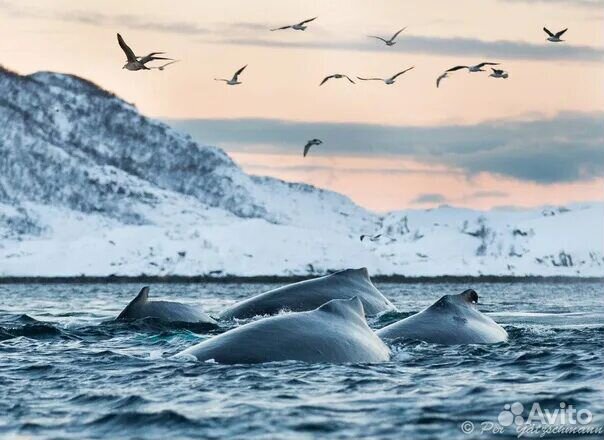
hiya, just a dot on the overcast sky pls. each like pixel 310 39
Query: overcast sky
pixel 534 138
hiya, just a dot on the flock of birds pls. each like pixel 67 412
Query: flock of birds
pixel 134 63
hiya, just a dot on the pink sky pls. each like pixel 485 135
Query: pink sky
pixel 382 191
pixel 282 82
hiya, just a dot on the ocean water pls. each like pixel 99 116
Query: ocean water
pixel 67 371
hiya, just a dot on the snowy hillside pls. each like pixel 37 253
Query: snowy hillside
pixel 89 186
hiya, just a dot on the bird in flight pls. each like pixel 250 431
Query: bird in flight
pixel 309 144
pixel 497 73
pixel 475 68
pixel 336 76
pixel 554 38
pixel 234 80
pixel 297 27
pixel 134 62
pixel 388 81
pixel 373 238
pixel 391 41
pixel 163 66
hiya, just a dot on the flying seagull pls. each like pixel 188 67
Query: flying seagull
pixel 497 73
pixel 297 27
pixel 234 80
pixel 310 143
pixel 370 237
pixel 554 38
pixel 134 62
pixel 163 66
pixel 388 81
pixel 475 68
pixel 336 76
pixel 391 41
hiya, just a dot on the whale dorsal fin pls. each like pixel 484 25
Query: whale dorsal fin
pixel 469 296
pixel 344 307
pixel 143 295
pixel 360 272
pixel 141 298
pixel 466 298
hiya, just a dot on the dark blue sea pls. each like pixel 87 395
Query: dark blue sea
pixel 68 372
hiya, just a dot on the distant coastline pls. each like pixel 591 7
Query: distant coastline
pixel 268 279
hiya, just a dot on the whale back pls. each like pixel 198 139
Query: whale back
pixel 310 294
pixel 336 332
pixel 140 307
pixel 453 319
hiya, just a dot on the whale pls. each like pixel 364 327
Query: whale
pixel 310 294
pixel 452 320
pixel 169 311
pixel 336 332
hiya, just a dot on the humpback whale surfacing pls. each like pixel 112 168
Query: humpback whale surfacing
pixel 140 307
pixel 336 332
pixel 310 294
pixel 453 319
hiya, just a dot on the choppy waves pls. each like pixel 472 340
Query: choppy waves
pixel 68 371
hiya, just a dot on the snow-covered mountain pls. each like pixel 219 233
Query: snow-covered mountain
pixel 89 186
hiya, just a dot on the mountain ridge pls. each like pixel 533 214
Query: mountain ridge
pixel 89 186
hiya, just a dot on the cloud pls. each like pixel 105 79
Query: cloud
pixel 133 22
pixel 487 195
pixel 429 198
pixel 470 47
pixel 566 148
pixel 250 26
pixel 128 21
pixel 546 161
pixel 583 3
pixel 263 168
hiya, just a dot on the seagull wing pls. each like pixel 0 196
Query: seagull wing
pixel 129 53
pixel 151 54
pixel 281 28
pixel 152 57
pixel 440 78
pixel 348 78
pixel 453 69
pixel 486 64
pixel 559 34
pixel 306 148
pixel 238 73
pixel 400 73
pixel 308 21
pixel 370 79
pixel 497 71
pixel 165 65
pixel 547 31
pixel 396 35
pixel 327 78
pixel 379 38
